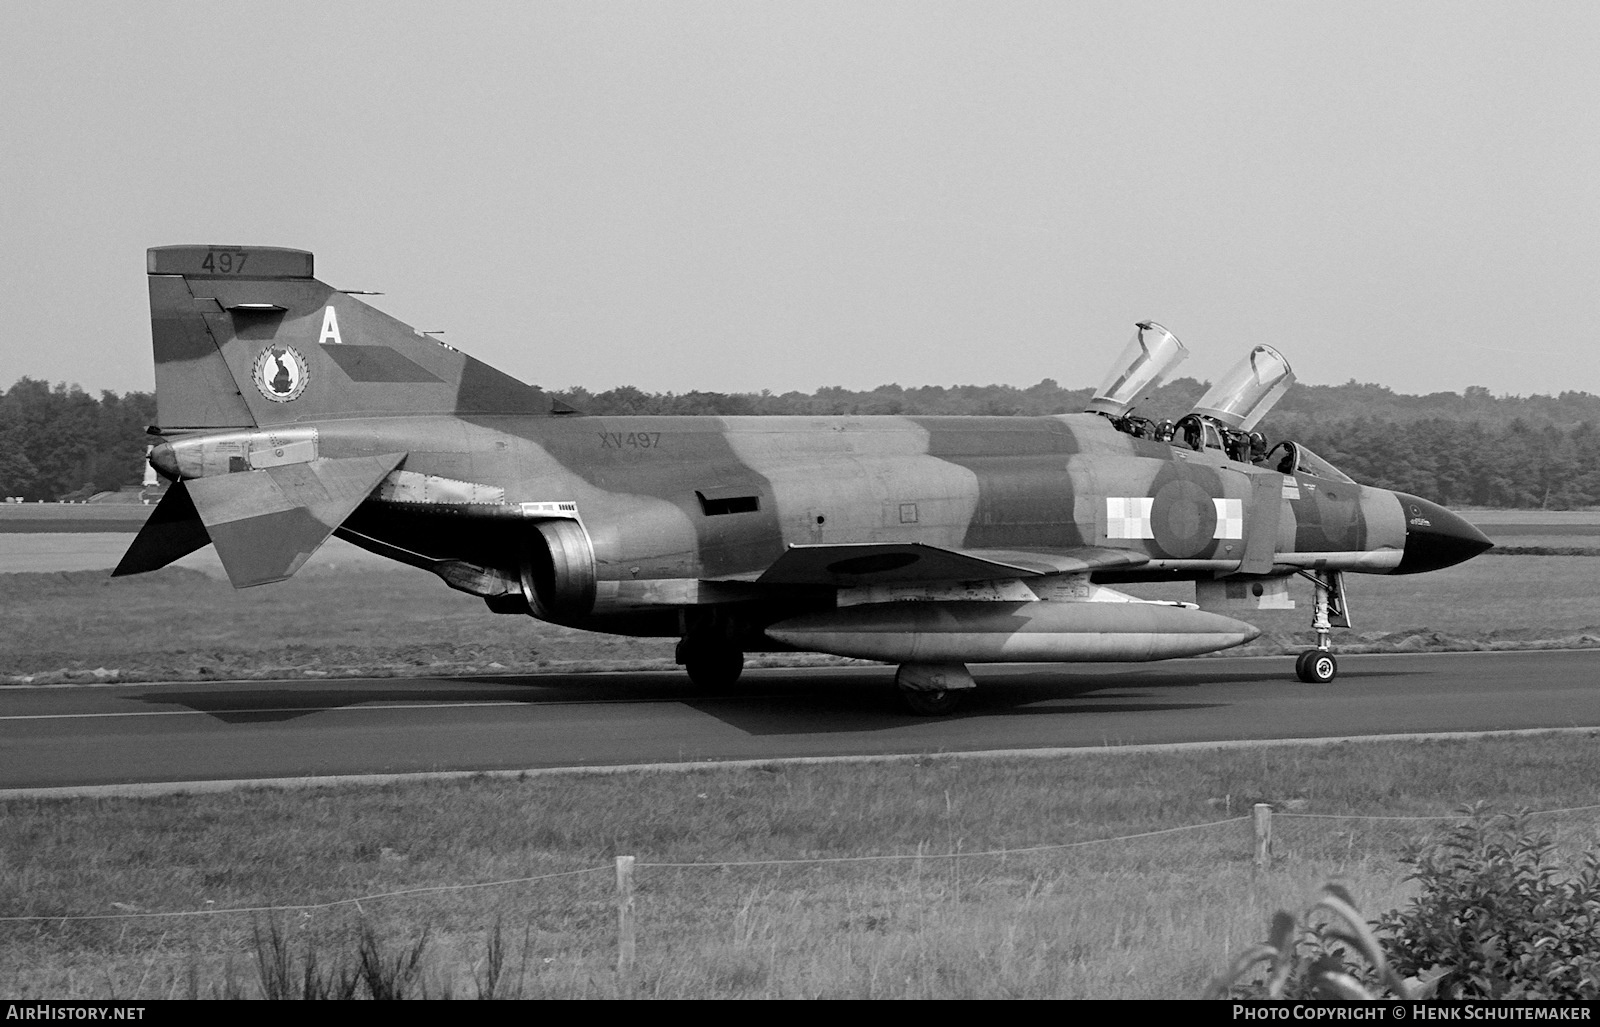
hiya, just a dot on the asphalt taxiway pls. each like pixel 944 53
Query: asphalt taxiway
pixel 75 736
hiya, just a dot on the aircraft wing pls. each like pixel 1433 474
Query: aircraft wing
pixel 871 563
pixel 265 524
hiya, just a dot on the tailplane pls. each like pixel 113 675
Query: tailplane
pixel 247 336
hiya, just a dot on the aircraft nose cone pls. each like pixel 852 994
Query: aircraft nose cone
pixel 1435 537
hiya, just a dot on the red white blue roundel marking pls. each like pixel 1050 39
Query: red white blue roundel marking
pixel 281 373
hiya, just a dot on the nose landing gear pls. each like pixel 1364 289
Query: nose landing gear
pixel 1328 611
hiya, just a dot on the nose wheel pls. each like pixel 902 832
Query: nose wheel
pixel 1316 667
pixel 1328 609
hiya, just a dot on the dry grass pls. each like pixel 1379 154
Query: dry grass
pixel 182 624
pixel 1487 603
pixel 1491 518
pixel 1153 917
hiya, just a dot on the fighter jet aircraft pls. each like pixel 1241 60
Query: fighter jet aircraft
pixel 290 410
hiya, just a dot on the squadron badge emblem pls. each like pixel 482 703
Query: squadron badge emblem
pixel 281 373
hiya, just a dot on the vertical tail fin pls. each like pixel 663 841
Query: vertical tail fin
pixel 246 336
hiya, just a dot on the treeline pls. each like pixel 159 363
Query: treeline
pixel 1318 402
pixel 1460 463
pixel 62 442
pixel 1468 449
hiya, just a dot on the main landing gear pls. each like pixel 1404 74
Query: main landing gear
pixel 1328 611
pixel 933 689
pixel 710 648
pixel 714 666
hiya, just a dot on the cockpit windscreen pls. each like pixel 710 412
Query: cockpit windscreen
pixel 1291 458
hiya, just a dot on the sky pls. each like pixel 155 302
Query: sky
pixel 788 195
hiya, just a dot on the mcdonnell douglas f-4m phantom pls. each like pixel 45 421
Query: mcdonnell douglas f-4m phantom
pixel 290 411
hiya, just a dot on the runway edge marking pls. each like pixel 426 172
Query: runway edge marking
pixel 161 788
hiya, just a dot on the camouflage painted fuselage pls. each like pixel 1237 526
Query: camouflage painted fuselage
pixel 648 489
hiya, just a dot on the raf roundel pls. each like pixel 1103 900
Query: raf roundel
pixel 281 373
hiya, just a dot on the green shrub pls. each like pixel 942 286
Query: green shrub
pixel 1499 915
pixel 1329 952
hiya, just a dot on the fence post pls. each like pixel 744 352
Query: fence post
pixel 625 923
pixel 1263 822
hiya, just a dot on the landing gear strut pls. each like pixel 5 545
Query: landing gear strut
pixel 1328 610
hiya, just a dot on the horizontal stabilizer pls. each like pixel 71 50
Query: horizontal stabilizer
pixel 173 531
pixel 867 563
pixel 267 523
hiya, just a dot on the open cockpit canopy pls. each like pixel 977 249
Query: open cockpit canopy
pixel 1223 420
pixel 1143 364
pixel 1240 398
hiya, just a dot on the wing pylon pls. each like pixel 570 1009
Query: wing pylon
pixel 871 563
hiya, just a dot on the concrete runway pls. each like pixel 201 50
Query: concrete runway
pixel 106 735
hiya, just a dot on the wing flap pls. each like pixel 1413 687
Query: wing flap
pixel 267 523
pixel 866 563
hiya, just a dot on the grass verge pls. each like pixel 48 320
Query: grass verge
pixel 178 624
pixel 721 912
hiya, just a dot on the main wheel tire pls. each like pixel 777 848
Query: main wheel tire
pixel 714 669
pixel 1316 667
pixel 931 704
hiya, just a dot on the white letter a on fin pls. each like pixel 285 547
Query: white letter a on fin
pixel 330 328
